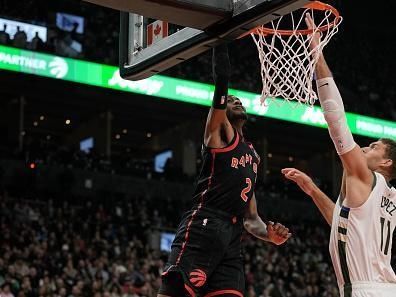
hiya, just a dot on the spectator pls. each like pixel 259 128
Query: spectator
pixel 20 38
pixel 6 291
pixel 37 43
pixel 4 36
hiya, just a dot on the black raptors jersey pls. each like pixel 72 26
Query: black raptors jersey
pixel 228 177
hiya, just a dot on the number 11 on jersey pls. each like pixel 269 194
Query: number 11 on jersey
pixel 385 227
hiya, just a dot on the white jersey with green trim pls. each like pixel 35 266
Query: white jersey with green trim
pixel 361 239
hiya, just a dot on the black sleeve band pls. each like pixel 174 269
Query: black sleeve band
pixel 221 73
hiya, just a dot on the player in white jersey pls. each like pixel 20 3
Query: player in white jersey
pixel 364 217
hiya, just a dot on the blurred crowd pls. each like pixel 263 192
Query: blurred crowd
pixel 52 247
pixel 94 43
pixel 363 92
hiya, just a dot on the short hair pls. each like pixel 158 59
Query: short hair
pixel 232 97
pixel 390 152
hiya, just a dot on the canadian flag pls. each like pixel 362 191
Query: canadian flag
pixel 156 31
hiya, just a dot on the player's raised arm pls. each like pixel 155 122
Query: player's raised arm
pixel 275 233
pixel 321 200
pixel 351 155
pixel 217 118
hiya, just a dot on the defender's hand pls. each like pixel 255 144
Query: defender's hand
pixel 301 179
pixel 277 233
pixel 311 26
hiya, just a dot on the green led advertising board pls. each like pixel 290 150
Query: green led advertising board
pixel 163 87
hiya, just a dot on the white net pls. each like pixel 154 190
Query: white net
pixel 287 62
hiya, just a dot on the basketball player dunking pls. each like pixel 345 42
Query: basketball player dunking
pixel 364 217
pixel 205 259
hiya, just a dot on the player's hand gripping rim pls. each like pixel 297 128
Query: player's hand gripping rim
pixel 316 34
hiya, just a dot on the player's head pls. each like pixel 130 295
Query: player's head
pixel 381 156
pixel 235 110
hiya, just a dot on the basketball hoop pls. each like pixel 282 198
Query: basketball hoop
pixel 287 62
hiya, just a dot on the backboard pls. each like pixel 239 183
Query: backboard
pixel 156 35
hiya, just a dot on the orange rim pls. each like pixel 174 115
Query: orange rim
pixel 314 5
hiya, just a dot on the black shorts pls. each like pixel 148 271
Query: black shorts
pixel 206 258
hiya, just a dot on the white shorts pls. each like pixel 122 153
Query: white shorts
pixel 371 289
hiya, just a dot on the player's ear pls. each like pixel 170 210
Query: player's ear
pixel 387 163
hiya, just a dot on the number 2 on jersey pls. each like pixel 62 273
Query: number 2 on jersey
pixel 385 248
pixel 246 189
